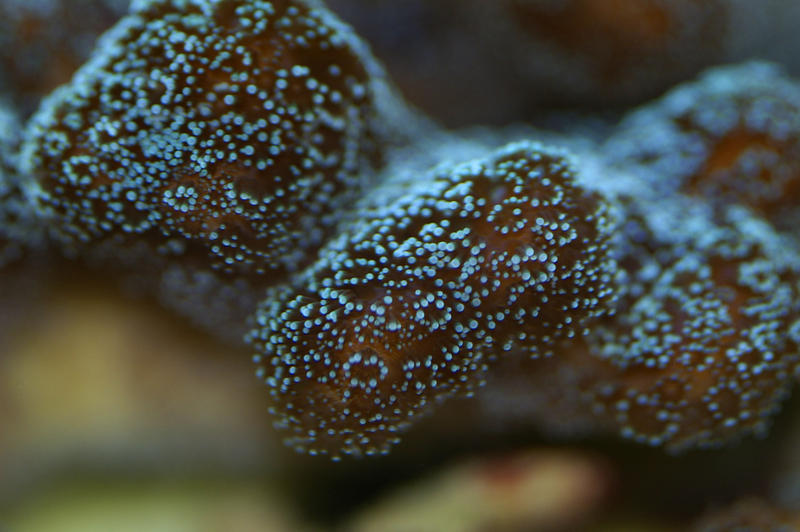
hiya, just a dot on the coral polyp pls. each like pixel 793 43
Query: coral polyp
pixel 433 279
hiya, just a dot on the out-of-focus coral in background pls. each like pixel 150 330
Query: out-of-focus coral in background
pixel 117 415
pixel 524 58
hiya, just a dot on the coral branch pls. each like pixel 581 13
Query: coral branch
pixel 229 130
pixel 210 163
pixel 706 338
pixel 432 280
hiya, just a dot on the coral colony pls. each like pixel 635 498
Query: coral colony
pixel 247 162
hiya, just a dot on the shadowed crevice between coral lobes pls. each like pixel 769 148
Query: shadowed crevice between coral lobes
pixel 250 165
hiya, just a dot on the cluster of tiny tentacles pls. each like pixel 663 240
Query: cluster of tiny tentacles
pixel 245 159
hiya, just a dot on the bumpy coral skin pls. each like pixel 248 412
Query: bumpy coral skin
pixel 9 126
pixel 227 131
pixel 43 42
pixel 19 228
pixel 705 341
pixel 432 279
pixel 731 136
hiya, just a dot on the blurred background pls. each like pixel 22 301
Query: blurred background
pixel 115 415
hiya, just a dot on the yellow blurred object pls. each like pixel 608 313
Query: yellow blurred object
pixel 525 491
pixel 220 507
pixel 112 385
